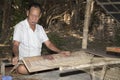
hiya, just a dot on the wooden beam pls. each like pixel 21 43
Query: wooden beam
pixel 89 9
pixel 113 49
pixel 113 12
pixel 89 65
pixel 108 3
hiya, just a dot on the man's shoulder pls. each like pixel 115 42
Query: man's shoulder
pixel 39 26
pixel 20 24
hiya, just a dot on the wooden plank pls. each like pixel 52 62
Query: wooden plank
pixel 94 64
pixel 113 49
pixel 3 68
pixel 103 72
pixel 38 63
pixel 95 53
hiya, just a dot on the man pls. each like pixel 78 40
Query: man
pixel 29 36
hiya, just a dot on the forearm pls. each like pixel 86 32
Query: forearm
pixel 15 51
pixel 52 47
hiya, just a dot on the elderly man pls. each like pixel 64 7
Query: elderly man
pixel 29 36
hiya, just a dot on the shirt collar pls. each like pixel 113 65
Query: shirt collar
pixel 26 23
pixel 28 26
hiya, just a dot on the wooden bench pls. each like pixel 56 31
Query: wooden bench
pixel 4 63
pixel 113 49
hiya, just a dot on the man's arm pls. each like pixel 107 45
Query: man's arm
pixel 52 47
pixel 15 51
pixel 15 48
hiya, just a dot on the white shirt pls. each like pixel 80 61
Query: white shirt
pixel 30 41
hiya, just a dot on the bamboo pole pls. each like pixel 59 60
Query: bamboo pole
pixel 83 66
pixel 89 9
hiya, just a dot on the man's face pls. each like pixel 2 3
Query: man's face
pixel 33 15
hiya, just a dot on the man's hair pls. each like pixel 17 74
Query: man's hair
pixel 36 5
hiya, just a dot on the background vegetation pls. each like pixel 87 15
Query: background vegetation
pixel 60 18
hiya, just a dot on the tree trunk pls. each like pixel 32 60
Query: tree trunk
pixel 6 22
pixel 89 9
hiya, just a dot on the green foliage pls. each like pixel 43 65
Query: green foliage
pixel 19 10
pixel 56 39
pixel 117 37
pixel 0 22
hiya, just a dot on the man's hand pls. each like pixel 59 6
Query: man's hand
pixel 15 60
pixel 66 53
pixel 49 57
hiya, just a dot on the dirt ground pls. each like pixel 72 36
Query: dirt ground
pixel 56 75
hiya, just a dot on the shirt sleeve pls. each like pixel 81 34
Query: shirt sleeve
pixel 17 33
pixel 44 35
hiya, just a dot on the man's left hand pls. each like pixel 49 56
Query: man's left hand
pixel 49 57
pixel 66 53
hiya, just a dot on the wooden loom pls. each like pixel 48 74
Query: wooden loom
pixel 77 60
pixel 38 63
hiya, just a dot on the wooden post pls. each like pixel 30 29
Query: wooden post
pixel 89 9
pixel 92 72
pixel 103 72
pixel 2 68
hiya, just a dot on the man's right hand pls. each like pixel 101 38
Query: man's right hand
pixel 15 60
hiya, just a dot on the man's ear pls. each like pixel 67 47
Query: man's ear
pixel 27 12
